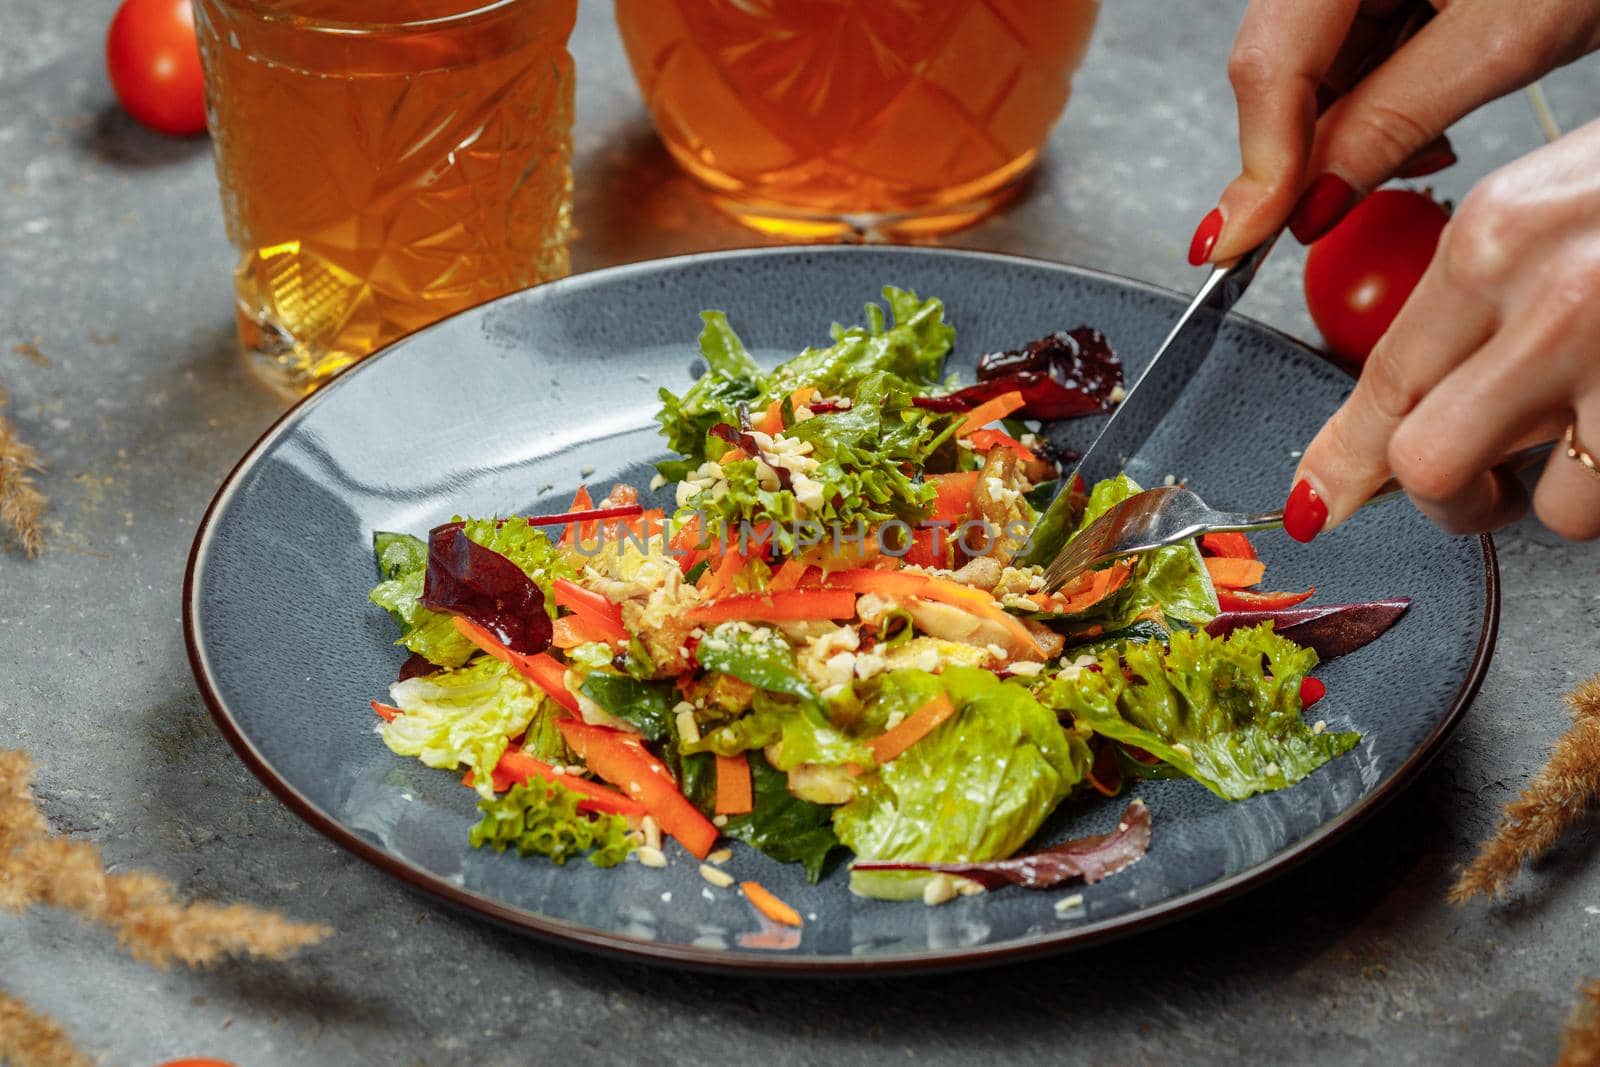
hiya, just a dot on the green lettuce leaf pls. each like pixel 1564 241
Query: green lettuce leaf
pixel 974 789
pixel 646 705
pixel 1207 707
pixel 794 733
pixel 403 563
pixel 862 452
pixel 462 717
pixel 542 818
pixel 759 656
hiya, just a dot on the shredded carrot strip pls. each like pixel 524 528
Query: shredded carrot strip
pixel 912 728
pixel 1232 573
pixel 769 905
pixel 722 578
pixel 991 411
pixel 386 712
pixel 734 792
pixel 788 576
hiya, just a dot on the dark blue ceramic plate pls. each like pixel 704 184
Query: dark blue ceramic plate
pixel 508 407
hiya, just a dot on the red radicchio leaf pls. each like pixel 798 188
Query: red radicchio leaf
pixel 1089 858
pixel 417 665
pixel 1064 375
pixel 1330 630
pixel 745 443
pixel 464 578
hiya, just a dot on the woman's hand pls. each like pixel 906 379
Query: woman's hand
pixel 1310 170
pixel 1498 347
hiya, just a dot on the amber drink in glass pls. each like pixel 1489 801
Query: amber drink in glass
pixel 384 164
pixel 818 118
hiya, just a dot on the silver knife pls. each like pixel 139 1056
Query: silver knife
pixel 1164 379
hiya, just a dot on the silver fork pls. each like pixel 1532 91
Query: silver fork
pixel 1171 514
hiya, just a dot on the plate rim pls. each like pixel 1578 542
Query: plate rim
pixel 574 935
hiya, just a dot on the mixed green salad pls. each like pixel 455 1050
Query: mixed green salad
pixel 824 644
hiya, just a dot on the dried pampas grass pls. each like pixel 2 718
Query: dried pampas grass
pixel 1581 1048
pixel 1555 799
pixel 21 503
pixel 28 1039
pixel 143 909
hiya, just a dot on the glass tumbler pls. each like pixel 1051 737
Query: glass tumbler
pixel 822 118
pixel 384 165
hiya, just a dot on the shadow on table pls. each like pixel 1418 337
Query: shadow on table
pixel 114 138
pixel 631 202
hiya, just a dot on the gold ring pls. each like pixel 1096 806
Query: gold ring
pixel 1586 461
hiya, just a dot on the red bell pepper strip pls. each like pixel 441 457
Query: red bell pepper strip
pixel 516 767
pixel 545 671
pixel 985 440
pixel 1311 691
pixel 570 631
pixel 622 760
pixel 792 605
pixel 1248 600
pixel 954 495
pixel 1228 546
pixel 596 609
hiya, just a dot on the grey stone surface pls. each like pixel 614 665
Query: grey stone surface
pixel 113 263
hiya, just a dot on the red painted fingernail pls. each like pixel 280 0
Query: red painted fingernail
pixel 1311 691
pixel 1304 514
pixel 1431 160
pixel 1322 204
pixel 1205 238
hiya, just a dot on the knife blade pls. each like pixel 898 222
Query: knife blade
pixel 1373 37
pixel 1163 380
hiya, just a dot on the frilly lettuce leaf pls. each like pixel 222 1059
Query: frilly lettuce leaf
pixel 542 818
pixel 1207 707
pixel 976 788
pixel 403 562
pixel 462 717
pixel 864 364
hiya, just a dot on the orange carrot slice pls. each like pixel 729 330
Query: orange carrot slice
pixel 386 712
pixel 1235 573
pixel 763 901
pixel 912 728
pixel 992 410
pixel 734 794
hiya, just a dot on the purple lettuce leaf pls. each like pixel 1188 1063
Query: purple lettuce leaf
pixel 1088 858
pixel 464 578
pixel 1330 630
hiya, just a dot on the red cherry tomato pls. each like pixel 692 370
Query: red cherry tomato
pixel 154 63
pixel 1359 275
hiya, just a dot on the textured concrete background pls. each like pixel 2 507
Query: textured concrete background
pixel 113 263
